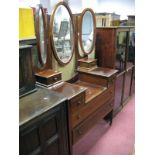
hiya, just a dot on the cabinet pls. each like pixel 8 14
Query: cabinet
pixel 43 124
pixel 115 48
pixel 26 77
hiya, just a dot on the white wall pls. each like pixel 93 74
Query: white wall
pixel 122 7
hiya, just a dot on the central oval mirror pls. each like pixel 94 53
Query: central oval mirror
pixel 62 36
pixel 87 31
pixel 41 35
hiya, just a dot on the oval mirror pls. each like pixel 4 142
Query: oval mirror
pixel 41 35
pixel 62 36
pixel 87 31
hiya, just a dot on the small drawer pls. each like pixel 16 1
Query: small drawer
pixel 77 102
pixel 54 79
pixel 48 80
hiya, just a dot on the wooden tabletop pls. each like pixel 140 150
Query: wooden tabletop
pixel 37 103
pixel 92 90
pixel 101 71
pixel 88 60
pixel 47 73
pixel 67 89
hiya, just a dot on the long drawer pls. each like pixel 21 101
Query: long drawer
pixel 77 102
pixel 92 106
pixel 101 112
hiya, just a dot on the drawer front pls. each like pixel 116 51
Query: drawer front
pixel 81 129
pixel 54 79
pixel 77 103
pixel 92 106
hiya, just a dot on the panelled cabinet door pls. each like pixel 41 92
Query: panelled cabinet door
pixel 132 91
pixel 46 136
pixel 118 92
pixel 29 142
pixel 127 85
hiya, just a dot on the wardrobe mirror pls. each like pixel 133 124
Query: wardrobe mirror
pixel 62 36
pixel 41 35
pixel 87 31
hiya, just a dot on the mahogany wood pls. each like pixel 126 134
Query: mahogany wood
pixel 107 54
pixel 48 77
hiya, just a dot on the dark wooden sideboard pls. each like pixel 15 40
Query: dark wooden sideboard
pixel 43 124
pixel 115 49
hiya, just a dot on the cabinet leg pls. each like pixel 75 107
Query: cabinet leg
pixel 109 117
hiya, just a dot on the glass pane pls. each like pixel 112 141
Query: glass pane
pixel 131 50
pixel 42 37
pixel 63 34
pixel 87 31
pixel 127 85
pixel 118 91
pixel 121 50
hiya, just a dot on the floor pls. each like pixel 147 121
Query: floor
pixel 117 139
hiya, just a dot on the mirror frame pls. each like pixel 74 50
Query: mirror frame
pixel 51 33
pixel 38 8
pixel 80 31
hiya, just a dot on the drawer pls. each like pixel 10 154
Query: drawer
pixel 54 79
pixel 77 102
pixel 49 79
pixel 92 106
pixel 82 128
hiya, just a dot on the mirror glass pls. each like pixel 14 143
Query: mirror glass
pixel 43 51
pixel 63 34
pixel 87 31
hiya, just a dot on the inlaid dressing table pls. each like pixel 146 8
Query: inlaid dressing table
pixel 90 95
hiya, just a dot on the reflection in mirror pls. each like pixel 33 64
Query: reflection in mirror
pixel 62 34
pixel 121 50
pixel 87 32
pixel 42 38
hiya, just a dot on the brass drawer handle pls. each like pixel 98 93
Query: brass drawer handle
pixel 79 102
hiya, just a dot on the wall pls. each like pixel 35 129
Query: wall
pixel 122 7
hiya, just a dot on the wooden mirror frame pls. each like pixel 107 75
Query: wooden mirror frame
pixel 80 31
pixel 38 8
pixel 51 33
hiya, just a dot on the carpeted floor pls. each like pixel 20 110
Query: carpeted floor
pixel 117 139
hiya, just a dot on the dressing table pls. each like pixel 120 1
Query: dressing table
pixel 90 95
pixel 61 42
pixel 43 126
pixel 99 82
pixel 94 86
